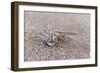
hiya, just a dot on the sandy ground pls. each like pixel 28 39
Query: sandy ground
pixel 72 47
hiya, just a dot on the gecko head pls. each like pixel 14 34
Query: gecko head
pixel 51 41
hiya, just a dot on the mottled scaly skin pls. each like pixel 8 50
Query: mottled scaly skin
pixel 52 37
